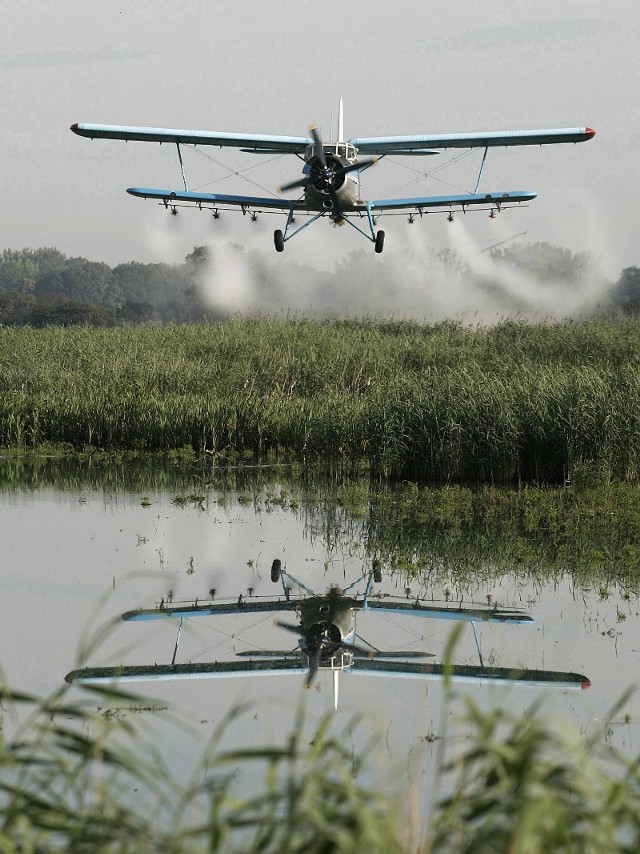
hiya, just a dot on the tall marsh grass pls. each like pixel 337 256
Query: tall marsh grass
pixel 73 778
pixel 448 403
pixel 85 776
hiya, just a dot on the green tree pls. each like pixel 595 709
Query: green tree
pixel 82 281
pixel 199 258
pixel 135 312
pixel 549 263
pixel 58 310
pixel 626 292
pixel 20 269
pixel 150 283
pixel 15 308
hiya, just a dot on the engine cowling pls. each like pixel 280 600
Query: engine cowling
pixel 328 176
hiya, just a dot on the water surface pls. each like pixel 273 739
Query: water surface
pixel 88 543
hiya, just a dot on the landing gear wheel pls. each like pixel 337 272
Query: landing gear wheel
pixel 275 570
pixel 379 242
pixel 278 240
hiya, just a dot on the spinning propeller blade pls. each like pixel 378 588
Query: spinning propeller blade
pixel 360 651
pixel 301 182
pixel 288 627
pixel 317 141
pixel 326 176
pixel 314 666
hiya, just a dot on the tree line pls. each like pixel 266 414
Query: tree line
pixel 42 287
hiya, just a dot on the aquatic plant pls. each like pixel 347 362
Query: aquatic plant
pixel 521 785
pixel 509 404
pixel 79 777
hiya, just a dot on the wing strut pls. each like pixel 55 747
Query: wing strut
pixel 175 649
pixel 184 179
pixel 484 157
pixel 475 635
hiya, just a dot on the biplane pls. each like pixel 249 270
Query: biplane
pixel 330 183
pixel 327 639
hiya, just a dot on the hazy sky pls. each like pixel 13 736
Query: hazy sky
pixel 406 67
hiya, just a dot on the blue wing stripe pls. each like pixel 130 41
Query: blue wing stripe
pixel 170 196
pixel 504 198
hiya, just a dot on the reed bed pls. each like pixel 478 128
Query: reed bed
pixel 441 403
pixel 87 775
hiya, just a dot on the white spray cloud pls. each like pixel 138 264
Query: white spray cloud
pixel 230 285
pixel 409 280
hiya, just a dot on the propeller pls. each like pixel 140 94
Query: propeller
pixel 323 641
pixel 360 651
pixel 314 663
pixel 288 627
pixel 326 176
pixel 314 666
pixel 381 653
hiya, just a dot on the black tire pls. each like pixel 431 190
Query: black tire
pixel 379 242
pixel 278 240
pixel 377 572
pixel 276 569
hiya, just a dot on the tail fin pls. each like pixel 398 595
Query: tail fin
pixel 340 123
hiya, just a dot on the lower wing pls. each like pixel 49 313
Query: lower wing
pixel 470 614
pixel 418 203
pixel 210 609
pixel 170 197
pixel 256 203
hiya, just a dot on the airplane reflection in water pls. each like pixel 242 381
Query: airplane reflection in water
pixel 327 639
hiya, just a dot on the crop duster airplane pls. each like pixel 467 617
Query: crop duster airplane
pixel 327 639
pixel 330 186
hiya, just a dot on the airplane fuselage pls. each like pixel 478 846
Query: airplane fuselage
pixel 328 624
pixel 328 180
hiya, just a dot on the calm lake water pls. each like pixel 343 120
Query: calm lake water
pixel 83 544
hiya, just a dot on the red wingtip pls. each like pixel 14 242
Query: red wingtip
pixel 586 683
pixel 590 132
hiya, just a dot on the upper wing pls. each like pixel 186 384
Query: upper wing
pixel 206 199
pixel 190 670
pixel 419 202
pixel 421 144
pixel 250 142
pixel 473 673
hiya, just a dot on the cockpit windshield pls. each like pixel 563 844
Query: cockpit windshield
pixel 333 149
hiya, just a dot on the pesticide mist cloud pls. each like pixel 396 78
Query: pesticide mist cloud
pixel 410 280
